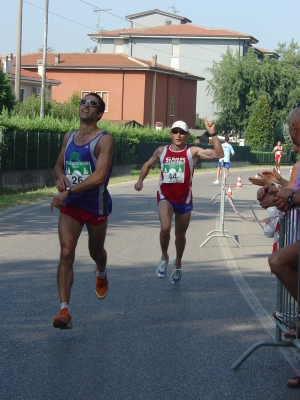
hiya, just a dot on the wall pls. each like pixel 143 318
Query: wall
pixel 196 55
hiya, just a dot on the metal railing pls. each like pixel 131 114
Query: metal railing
pixel 286 305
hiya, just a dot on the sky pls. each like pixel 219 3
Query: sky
pixel 69 21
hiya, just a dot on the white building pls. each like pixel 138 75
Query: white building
pixel 177 43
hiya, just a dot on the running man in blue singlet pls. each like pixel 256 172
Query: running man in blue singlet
pixel 82 171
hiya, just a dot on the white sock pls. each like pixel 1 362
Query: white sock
pixel 64 305
pixel 101 275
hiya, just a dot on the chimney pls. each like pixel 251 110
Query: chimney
pixel 7 62
pixel 40 67
pixel 56 59
pixel 154 61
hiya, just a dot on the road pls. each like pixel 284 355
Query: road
pixel 148 339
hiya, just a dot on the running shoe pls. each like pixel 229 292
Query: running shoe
pixel 162 267
pixel 63 320
pixel 176 275
pixel 101 287
pixel 283 318
pixel 215 182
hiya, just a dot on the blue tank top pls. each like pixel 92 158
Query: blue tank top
pixel 79 163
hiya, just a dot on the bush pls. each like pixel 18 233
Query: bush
pixel 260 130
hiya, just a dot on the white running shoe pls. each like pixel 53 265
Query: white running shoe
pixel 162 267
pixel 176 275
pixel 215 182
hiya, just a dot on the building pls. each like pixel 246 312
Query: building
pixel 133 89
pixel 30 82
pixel 178 44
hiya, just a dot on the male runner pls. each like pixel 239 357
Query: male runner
pixel 174 195
pixel 82 171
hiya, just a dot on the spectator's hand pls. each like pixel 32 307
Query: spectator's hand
pixel 263 191
pixel 267 201
pixel 272 175
pixel 260 181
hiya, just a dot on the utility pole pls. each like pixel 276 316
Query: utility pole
pixel 42 109
pixel 18 52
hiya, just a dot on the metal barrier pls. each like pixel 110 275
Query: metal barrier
pixel 286 307
pixel 221 232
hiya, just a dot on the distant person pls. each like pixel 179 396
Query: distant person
pixel 174 195
pixel 278 150
pixel 225 161
pixel 82 171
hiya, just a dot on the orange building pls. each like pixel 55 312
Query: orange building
pixel 132 88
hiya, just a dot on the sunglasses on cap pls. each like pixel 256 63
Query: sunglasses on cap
pixel 91 103
pixel 175 131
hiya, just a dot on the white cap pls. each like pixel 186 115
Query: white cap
pixel 180 124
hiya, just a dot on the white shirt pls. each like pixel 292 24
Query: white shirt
pixel 228 150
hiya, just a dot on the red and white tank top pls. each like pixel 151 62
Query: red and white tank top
pixel 279 150
pixel 177 170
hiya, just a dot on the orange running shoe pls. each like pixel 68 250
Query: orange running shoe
pixel 101 287
pixel 63 320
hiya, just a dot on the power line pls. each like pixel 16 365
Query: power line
pixel 60 16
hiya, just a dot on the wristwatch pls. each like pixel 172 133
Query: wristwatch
pixel 213 134
pixel 68 189
pixel 289 200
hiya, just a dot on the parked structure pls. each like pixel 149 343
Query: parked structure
pixel 177 43
pixel 133 89
pixel 30 81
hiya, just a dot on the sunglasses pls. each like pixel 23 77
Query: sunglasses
pixel 91 103
pixel 175 131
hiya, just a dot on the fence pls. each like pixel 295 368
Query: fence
pixel 39 150
pixel 287 309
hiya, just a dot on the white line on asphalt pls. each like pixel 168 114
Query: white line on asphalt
pixel 265 319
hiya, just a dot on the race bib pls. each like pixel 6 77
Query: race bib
pixel 173 173
pixel 77 172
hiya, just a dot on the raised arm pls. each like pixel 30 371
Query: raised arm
pixel 209 154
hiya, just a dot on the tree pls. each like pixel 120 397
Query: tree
pixel 49 49
pixel 7 98
pixel 238 82
pixel 260 131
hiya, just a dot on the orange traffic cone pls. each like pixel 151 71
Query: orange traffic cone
pixel 229 192
pixel 239 182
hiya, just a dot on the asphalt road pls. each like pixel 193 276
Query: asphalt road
pixel 148 339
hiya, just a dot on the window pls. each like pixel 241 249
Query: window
pixel 84 93
pixel 36 91
pixel 104 95
pixel 22 95
pixel 119 46
pixel 172 106
pixel 168 22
